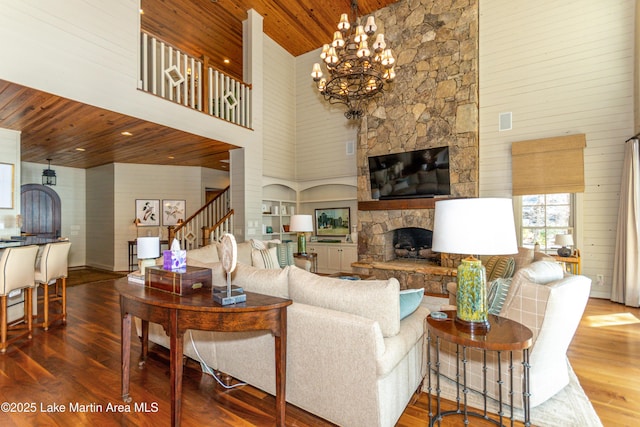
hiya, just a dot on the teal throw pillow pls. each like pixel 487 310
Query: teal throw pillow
pixel 498 291
pixel 284 251
pixel 410 300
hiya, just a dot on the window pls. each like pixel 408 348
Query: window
pixel 544 216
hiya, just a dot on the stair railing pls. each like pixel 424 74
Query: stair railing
pixel 190 233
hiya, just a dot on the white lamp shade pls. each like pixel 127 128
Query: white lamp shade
pixel 148 247
pixel 482 226
pixel 301 223
pixel 564 240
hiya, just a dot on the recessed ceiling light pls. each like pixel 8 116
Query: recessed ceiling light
pixel 224 161
pixel 141 11
pixel 171 157
pixel 125 133
pixel 226 61
pixel 80 149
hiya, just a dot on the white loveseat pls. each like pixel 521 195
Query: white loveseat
pixel 548 301
pixel 350 358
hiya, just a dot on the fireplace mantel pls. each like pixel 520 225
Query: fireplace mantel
pixel 388 205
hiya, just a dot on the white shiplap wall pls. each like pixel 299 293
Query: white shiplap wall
pixel 279 114
pixel 100 209
pixel 561 68
pixel 149 182
pixel 10 153
pixel 322 131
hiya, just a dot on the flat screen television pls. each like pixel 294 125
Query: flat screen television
pixel 413 174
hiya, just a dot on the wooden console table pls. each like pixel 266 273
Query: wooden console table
pixel 198 311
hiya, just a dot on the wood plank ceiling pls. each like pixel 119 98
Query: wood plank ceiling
pixel 54 127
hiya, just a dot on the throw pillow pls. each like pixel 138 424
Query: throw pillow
pixel 498 291
pixel 410 300
pixel 543 272
pixel 499 267
pixel 265 258
pixel 284 251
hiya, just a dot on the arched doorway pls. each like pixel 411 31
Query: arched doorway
pixel 40 209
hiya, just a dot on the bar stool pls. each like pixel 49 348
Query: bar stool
pixel 51 269
pixel 17 271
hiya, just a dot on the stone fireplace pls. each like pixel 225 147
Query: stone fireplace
pixel 433 102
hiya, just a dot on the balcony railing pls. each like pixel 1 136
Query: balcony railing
pixel 173 75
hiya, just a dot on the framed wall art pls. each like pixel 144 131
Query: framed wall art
pixel 6 186
pixel 173 211
pixel 333 221
pixel 148 212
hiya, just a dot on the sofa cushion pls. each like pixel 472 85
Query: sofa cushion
pixel 378 300
pixel 523 258
pixel 263 281
pixel 543 272
pixel 410 300
pixel 265 258
pixel 203 257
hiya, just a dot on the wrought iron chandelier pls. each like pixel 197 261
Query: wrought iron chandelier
pixel 356 72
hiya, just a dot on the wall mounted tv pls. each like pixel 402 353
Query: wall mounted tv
pixel 414 174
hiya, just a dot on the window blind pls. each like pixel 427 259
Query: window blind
pixel 549 165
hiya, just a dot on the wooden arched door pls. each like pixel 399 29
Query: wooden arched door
pixel 40 209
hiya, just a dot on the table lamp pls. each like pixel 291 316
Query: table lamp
pixel 148 249
pixel 564 240
pixel 301 224
pixel 481 226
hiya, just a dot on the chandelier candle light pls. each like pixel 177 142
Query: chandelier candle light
pixel 356 71
pixel 482 226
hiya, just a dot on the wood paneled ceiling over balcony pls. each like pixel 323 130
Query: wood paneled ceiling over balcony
pixel 55 127
pixel 213 28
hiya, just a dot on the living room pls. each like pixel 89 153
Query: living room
pixel 523 68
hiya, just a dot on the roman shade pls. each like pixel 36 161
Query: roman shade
pixel 549 165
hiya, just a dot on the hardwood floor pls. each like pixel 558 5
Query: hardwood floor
pixel 77 367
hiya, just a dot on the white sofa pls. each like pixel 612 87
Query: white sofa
pixel 350 359
pixel 551 303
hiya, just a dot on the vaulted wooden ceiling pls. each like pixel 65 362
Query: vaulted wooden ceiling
pixel 57 128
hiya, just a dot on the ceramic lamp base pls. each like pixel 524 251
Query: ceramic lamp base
pixel 471 297
pixel 302 243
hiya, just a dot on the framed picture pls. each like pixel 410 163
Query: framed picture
pixel 333 221
pixel 173 211
pixel 6 186
pixel 148 212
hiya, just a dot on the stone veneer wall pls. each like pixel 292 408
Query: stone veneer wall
pixel 433 102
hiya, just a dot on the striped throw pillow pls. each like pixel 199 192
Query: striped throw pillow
pixel 265 258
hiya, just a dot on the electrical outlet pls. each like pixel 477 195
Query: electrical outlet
pixel 600 280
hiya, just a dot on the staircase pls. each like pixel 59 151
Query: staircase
pixel 207 224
